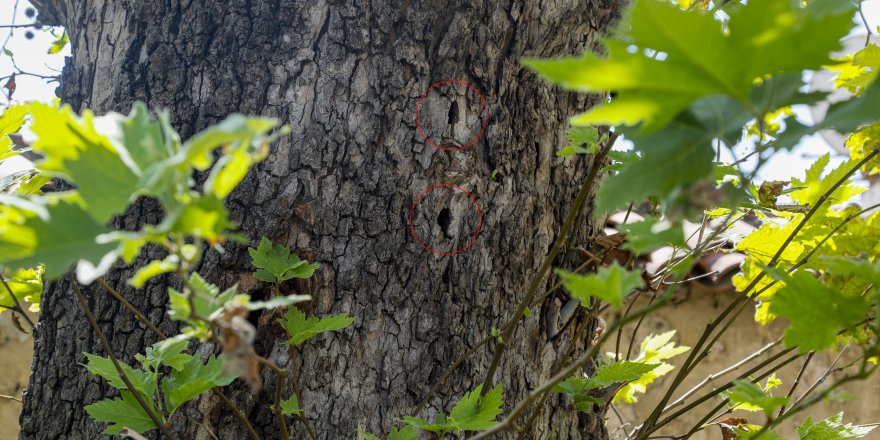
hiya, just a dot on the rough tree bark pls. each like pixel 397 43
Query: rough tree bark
pixel 346 76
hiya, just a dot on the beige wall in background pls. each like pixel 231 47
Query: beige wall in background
pixel 16 350
pixel 690 313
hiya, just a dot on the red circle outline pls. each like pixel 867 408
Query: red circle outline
pixel 485 112
pixel 416 236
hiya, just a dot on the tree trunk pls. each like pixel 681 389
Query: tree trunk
pixel 346 77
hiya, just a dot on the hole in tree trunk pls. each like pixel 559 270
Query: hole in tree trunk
pixel 453 113
pixel 444 219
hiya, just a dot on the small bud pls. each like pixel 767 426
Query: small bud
pixel 30 12
pixel 29 35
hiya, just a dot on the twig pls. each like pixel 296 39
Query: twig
pixel 106 344
pixel 4 396
pixel 823 377
pixel 865 22
pixel 12 26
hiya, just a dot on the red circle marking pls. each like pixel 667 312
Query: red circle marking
pixel 416 202
pixel 485 112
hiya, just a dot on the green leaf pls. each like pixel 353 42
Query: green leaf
pixel 205 217
pixel 579 136
pixel 662 58
pixel 815 185
pixel 124 412
pixel 11 120
pixel 650 234
pixel 152 269
pixel 290 406
pixel 476 413
pixel 405 433
pixel 76 151
pixel 143 381
pixel 276 264
pixel 68 235
pixel 578 388
pixel 58 45
pixel 206 297
pixel 300 328
pixel 684 148
pixel 228 172
pixel 610 284
pixel 831 428
pixel 654 350
pixel 843 117
pixel 234 130
pixel 749 397
pixel 168 352
pixel 193 379
pixel 25 284
pixel 816 312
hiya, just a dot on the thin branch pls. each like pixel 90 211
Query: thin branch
pixel 13 26
pixel 280 374
pixel 865 22
pixel 132 309
pixel 824 375
pixel 107 348
pixel 239 414
pixel 567 225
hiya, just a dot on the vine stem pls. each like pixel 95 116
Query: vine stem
pixel 238 413
pixel 586 188
pixel 693 359
pixel 280 374
pixel 106 344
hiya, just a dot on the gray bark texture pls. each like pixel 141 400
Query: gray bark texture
pixel 346 76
